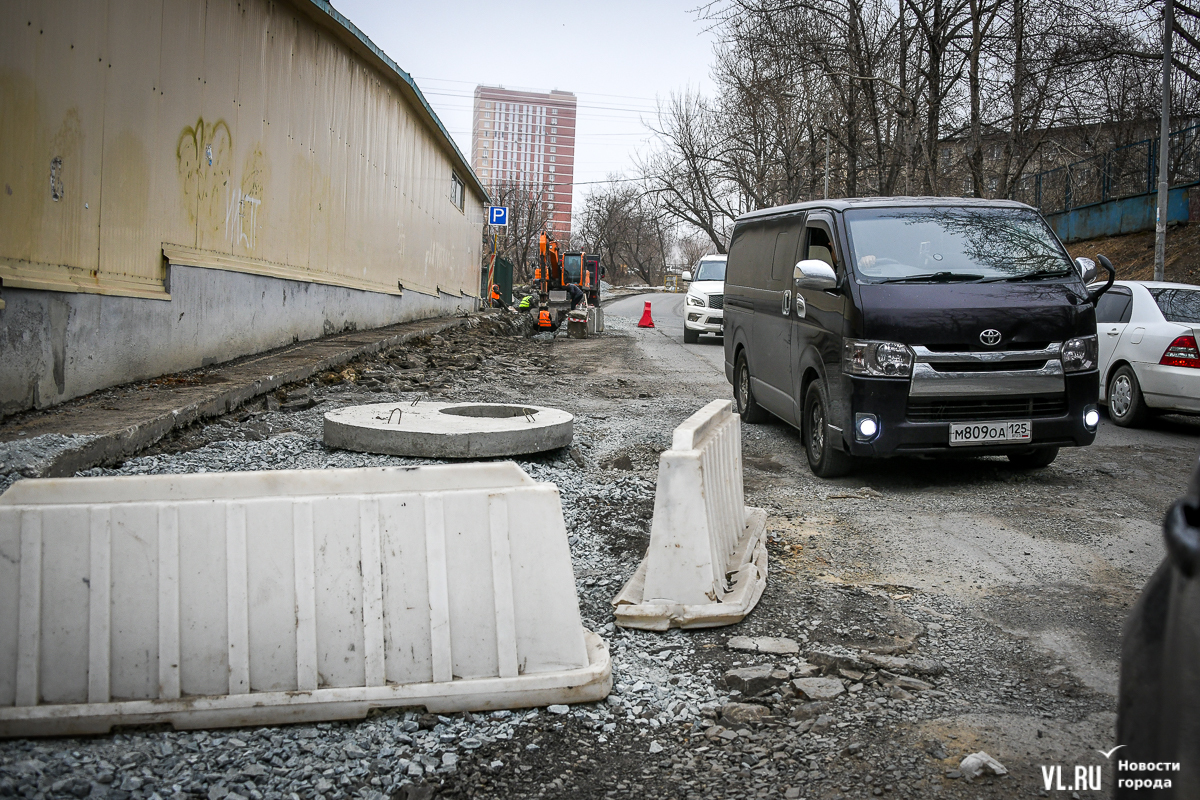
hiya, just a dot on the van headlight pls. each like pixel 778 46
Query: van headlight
pixel 1079 354
pixel 692 300
pixel 877 359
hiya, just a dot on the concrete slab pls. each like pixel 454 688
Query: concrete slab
pixel 448 430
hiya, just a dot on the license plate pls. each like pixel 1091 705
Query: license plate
pixel 1004 432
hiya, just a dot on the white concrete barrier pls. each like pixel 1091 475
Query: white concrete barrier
pixel 707 563
pixel 270 597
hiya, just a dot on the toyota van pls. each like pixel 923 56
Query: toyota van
pixel 893 326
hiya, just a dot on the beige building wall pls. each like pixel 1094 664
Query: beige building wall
pixel 183 182
pixel 259 137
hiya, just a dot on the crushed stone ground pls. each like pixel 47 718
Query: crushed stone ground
pixel 842 584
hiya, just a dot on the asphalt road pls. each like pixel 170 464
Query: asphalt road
pixel 666 308
pixel 1043 564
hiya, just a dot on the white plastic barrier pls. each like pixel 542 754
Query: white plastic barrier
pixel 707 563
pixel 269 597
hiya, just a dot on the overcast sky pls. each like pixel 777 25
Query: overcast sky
pixel 618 56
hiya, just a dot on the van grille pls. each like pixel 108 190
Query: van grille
pixel 972 410
pixel 973 346
pixel 986 366
pixel 716 301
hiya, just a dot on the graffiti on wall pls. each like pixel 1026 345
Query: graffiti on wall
pixel 216 202
pixel 203 154
pixel 242 202
pixel 240 212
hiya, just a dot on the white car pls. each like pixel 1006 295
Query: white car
pixel 704 304
pixel 1148 356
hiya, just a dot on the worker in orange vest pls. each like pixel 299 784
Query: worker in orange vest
pixel 497 301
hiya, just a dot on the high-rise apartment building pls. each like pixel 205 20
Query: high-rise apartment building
pixel 527 140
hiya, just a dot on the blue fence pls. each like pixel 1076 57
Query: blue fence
pixel 1121 173
pixel 1125 215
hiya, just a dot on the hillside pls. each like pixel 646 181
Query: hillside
pixel 1133 254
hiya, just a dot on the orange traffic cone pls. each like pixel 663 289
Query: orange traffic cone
pixel 646 321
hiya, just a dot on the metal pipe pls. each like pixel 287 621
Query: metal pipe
pixel 1164 140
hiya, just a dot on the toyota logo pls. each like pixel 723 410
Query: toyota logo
pixel 990 337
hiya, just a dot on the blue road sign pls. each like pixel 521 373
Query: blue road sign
pixel 497 215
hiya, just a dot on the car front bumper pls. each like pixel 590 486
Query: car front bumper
pixel 898 435
pixel 704 320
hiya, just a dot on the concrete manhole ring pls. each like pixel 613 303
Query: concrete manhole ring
pixel 449 430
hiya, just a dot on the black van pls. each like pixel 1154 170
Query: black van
pixel 886 326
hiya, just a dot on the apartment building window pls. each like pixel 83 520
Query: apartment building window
pixel 553 139
pixel 458 191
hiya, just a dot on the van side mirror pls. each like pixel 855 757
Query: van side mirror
pixel 812 273
pixel 687 275
pixel 1087 269
pixel 1096 294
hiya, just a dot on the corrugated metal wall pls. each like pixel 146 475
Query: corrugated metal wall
pixel 236 135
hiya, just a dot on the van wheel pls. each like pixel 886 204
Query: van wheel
pixel 1126 406
pixel 747 407
pixel 1038 458
pixel 825 460
pixel 690 336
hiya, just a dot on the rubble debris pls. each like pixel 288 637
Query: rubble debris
pixel 764 644
pixel 818 688
pixel 752 681
pixel 917 666
pixel 832 662
pixel 811 710
pixel 976 764
pixel 744 713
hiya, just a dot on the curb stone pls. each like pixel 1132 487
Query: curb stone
pixel 85 451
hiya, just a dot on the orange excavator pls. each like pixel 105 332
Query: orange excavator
pixel 564 281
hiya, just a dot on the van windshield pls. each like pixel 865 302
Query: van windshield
pixel 953 244
pixel 710 270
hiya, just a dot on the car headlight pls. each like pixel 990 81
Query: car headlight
pixel 692 300
pixel 877 359
pixel 1079 354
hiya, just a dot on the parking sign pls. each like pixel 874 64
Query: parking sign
pixel 497 215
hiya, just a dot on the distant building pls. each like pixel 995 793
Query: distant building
pixel 527 140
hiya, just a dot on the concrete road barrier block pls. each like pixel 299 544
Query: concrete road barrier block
pixel 707 562
pixel 271 597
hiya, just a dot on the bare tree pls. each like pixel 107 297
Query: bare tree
pixel 631 228
pixel 693 247
pixel 925 96
pixel 528 217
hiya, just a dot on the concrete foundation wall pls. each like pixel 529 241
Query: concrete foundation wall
pixel 1116 217
pixel 55 346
